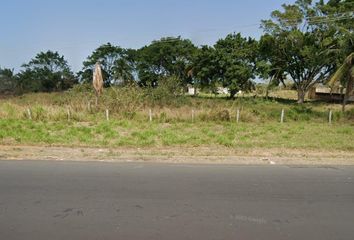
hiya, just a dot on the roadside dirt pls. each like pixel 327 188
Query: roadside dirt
pixel 193 155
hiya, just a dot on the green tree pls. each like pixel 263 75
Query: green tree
pixel 268 65
pixel 230 63
pixel 164 58
pixel 125 68
pixel 236 62
pixel 8 81
pixel 117 64
pixel 204 69
pixel 341 15
pixel 302 45
pixel 47 71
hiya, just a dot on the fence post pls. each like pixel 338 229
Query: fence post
pixel 238 115
pixel 282 116
pixel 69 114
pixel 193 115
pixel 107 114
pixel 29 114
pixel 150 115
pixel 330 116
pixel 89 106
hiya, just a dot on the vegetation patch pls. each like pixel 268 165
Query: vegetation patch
pixel 118 133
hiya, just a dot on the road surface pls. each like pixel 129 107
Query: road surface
pixel 78 200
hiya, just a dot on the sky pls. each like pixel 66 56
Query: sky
pixel 75 28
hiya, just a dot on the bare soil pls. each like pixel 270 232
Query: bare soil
pixel 193 155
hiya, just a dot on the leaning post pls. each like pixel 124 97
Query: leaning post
pixel 29 114
pixel 150 115
pixel 282 116
pixel 238 114
pixel 107 114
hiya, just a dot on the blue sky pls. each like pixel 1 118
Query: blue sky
pixel 75 28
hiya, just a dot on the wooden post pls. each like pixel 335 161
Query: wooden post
pixel 193 115
pixel 282 116
pixel 150 115
pixel 89 106
pixel 29 114
pixel 107 114
pixel 238 116
pixel 69 114
pixel 330 116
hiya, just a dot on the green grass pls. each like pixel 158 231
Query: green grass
pixel 142 134
pixel 306 126
pixel 206 109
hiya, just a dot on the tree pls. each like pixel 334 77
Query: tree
pixel 302 46
pixel 231 63
pixel 204 69
pixel 345 75
pixel 340 14
pixel 125 68
pixel 268 65
pixel 8 80
pixel 236 62
pixel 164 58
pixel 117 64
pixel 47 71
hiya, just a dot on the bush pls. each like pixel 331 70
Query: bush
pixel 168 92
pixel 222 115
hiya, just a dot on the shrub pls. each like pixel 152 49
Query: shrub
pixel 222 115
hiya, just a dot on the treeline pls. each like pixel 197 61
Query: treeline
pixel 304 42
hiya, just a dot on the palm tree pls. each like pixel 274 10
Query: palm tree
pixel 345 75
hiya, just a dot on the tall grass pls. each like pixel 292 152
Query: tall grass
pixel 167 105
pixel 71 119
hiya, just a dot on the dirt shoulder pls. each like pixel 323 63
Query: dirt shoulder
pixel 193 155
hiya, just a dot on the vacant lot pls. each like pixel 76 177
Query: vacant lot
pixel 127 133
pixel 71 120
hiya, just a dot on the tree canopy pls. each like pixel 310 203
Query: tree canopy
pixel 47 72
pixel 300 46
pixel 230 63
pixel 236 57
pixel 117 64
pixel 163 58
pixel 7 80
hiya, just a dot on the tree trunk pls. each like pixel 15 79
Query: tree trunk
pixel 348 91
pixel 268 86
pixel 267 89
pixel 300 96
pixel 232 93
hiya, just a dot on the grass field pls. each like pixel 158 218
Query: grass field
pixel 139 134
pixel 68 119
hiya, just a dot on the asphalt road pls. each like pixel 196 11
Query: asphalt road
pixel 76 200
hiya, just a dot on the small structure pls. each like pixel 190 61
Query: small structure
pixel 191 90
pixel 222 90
pixel 98 81
pixel 320 92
